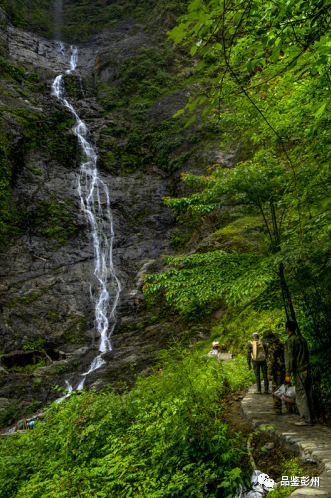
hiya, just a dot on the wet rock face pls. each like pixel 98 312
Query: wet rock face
pixel 47 281
pixel 31 50
pixel 47 271
pixel 108 59
pixel 48 286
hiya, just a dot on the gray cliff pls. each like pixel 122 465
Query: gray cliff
pixel 47 259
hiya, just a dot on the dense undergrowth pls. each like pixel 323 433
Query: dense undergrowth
pixel 269 90
pixel 265 83
pixel 164 438
pixel 72 21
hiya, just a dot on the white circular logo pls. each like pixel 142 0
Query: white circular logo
pixel 264 479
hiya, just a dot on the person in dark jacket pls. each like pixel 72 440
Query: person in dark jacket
pixel 276 366
pixel 258 364
pixel 297 368
pixel 276 369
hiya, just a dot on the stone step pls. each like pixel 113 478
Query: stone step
pixel 311 442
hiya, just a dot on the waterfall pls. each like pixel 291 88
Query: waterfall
pixel 91 190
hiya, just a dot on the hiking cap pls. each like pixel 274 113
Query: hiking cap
pixel 215 344
pixel 270 336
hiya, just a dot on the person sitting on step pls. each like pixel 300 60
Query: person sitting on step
pixel 215 351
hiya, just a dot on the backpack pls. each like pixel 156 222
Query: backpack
pixel 258 353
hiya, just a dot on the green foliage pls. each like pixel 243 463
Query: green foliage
pixel 290 468
pixel 235 329
pixel 34 13
pixel 35 344
pixel 38 362
pixel 16 73
pixel 52 315
pixel 10 413
pixel 142 77
pixel 37 383
pixel 32 407
pixel 9 215
pixel 53 219
pixel 268 88
pixel 36 172
pixel 30 298
pixel 206 279
pixel 166 140
pixel 242 233
pixel 114 12
pixel 252 45
pixel 75 332
pixel 60 369
pixel 73 86
pixel 26 300
pixel 33 77
pixel 179 239
pixel 53 131
pixel 237 373
pixel 157 144
pixel 80 20
pixel 164 438
pixel 289 264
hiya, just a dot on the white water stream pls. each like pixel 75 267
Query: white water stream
pixel 94 200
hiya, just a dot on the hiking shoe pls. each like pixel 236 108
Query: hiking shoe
pixel 257 392
pixel 303 423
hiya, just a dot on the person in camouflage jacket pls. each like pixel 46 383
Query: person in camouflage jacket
pixel 276 367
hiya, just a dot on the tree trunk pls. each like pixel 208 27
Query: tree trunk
pixel 289 309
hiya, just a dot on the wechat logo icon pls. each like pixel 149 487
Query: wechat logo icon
pixel 264 479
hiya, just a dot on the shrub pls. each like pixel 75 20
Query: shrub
pixel 179 239
pixel 10 413
pixel 165 438
pixel 38 343
pixel 290 468
pixel 32 407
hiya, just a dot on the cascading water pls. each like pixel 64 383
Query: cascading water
pixel 91 189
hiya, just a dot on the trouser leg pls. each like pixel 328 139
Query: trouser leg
pixel 277 403
pixel 265 375
pixel 256 368
pixel 303 392
pixel 291 407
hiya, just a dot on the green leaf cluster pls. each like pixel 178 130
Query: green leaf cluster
pixel 164 438
pixel 265 68
pixel 38 343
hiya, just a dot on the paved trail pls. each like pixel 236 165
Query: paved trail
pixel 311 442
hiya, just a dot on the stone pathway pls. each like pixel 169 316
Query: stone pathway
pixel 311 443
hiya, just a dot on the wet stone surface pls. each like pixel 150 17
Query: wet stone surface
pixel 48 283
pixel 312 444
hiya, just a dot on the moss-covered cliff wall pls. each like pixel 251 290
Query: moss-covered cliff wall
pixel 129 83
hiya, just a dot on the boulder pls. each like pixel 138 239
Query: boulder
pixel 4 402
pixel 21 425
